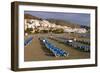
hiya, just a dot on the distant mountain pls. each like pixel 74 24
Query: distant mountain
pixel 86 27
pixel 28 16
pixel 64 23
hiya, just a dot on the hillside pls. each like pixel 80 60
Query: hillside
pixel 64 23
pixel 57 22
pixel 28 16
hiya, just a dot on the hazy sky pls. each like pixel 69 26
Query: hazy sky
pixel 80 18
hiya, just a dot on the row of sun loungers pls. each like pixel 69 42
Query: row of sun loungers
pixel 55 50
pixel 72 43
pixel 28 41
pixel 84 41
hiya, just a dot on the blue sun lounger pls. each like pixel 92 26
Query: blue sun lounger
pixel 27 41
pixel 55 50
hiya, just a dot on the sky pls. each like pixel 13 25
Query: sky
pixel 79 18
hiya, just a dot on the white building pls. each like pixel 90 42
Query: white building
pixel 44 24
pixel 80 30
